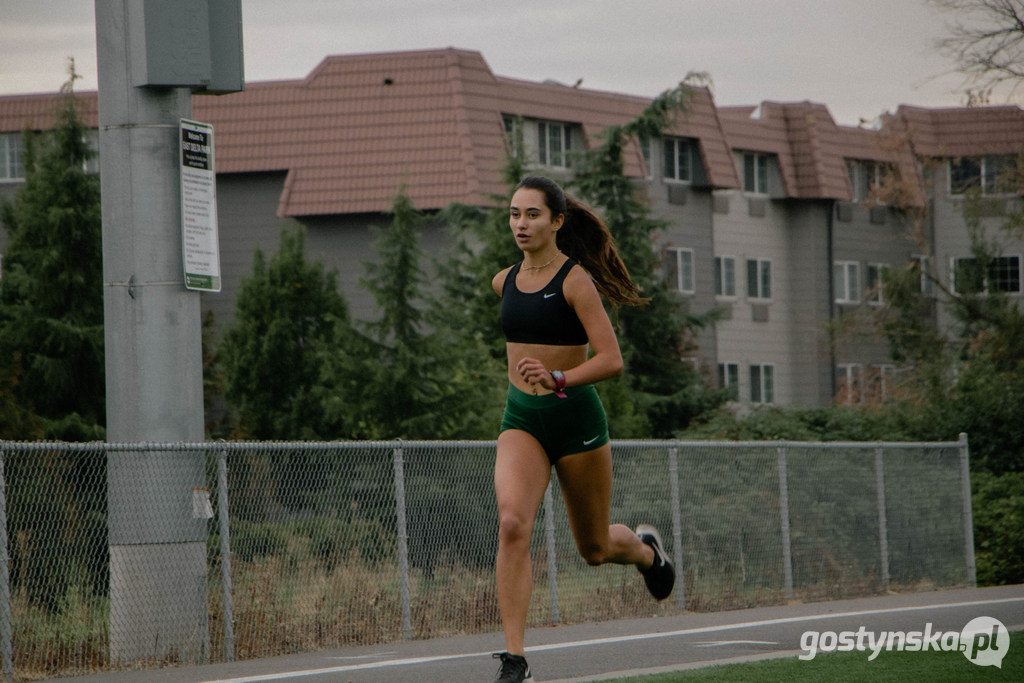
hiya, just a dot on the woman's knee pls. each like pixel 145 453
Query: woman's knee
pixel 594 554
pixel 514 528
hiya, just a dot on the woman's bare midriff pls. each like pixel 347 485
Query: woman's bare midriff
pixel 553 357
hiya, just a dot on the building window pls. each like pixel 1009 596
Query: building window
pixel 846 281
pixel 992 175
pixel 881 380
pixel 553 143
pixel 1002 275
pixel 679 159
pixel 759 278
pixel 762 384
pixel 876 275
pixel 729 378
pixel 679 269
pixel 865 178
pixel 10 157
pixel 848 384
pixel 922 264
pixel 755 173
pixel 725 276
pixel 514 134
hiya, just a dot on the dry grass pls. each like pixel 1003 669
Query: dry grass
pixel 284 606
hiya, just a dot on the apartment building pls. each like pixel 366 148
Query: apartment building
pixel 777 216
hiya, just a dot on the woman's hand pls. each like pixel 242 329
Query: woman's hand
pixel 534 372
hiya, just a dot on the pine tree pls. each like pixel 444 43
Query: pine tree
pixel 423 379
pixel 665 390
pixel 289 314
pixel 51 293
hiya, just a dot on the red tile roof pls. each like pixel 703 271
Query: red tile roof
pixel 812 149
pixel 360 126
pixel 964 131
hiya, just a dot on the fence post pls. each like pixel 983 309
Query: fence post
pixel 677 525
pixel 883 523
pixel 6 644
pixel 549 533
pixel 787 551
pixel 225 555
pixel 965 487
pixel 403 542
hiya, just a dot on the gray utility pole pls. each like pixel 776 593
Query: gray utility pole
pixel 152 55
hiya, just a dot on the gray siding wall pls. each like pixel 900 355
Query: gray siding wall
pixel 247 208
pixel 758 331
pixel 867 236
pixel 688 212
pixel 809 362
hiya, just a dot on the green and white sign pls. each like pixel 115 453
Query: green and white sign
pixel 200 240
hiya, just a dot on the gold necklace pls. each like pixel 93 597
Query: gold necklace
pixel 526 267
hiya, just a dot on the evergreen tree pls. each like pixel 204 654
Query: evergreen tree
pixel 51 362
pixel 666 390
pixel 289 314
pixel 419 381
pixel 969 378
pixel 51 293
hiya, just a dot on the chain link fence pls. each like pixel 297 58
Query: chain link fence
pixel 316 545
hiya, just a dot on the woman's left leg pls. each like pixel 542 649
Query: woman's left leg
pixel 586 483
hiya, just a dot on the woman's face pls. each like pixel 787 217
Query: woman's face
pixel 531 221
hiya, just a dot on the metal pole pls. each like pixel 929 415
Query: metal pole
pixel 883 524
pixel 965 487
pixel 403 542
pixel 6 643
pixel 225 556
pixel 549 532
pixel 787 550
pixel 677 525
pixel 153 349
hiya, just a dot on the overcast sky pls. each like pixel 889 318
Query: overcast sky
pixel 858 57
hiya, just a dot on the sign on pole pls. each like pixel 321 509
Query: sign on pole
pixel 200 240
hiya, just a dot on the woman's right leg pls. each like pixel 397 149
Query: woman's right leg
pixel 521 475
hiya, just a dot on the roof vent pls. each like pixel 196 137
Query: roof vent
pixel 389 81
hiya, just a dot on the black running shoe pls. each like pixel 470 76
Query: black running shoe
pixel 514 669
pixel 660 577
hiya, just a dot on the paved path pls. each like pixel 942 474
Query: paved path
pixel 608 650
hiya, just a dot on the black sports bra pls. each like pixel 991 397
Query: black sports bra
pixel 542 317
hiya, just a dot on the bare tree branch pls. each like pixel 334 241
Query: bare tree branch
pixel 985 41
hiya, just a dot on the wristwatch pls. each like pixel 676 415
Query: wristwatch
pixel 559 378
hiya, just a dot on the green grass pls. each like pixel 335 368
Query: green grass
pixel 894 667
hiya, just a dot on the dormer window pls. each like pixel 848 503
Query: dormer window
pixel 554 140
pixel 755 173
pixel 680 159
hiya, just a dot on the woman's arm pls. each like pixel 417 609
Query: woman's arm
pixel 606 360
pixel 498 281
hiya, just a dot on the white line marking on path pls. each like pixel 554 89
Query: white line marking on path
pixel 285 675
pixel 720 643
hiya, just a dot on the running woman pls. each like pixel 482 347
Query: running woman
pixel 560 341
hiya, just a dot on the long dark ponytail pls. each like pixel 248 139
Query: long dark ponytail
pixel 585 238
